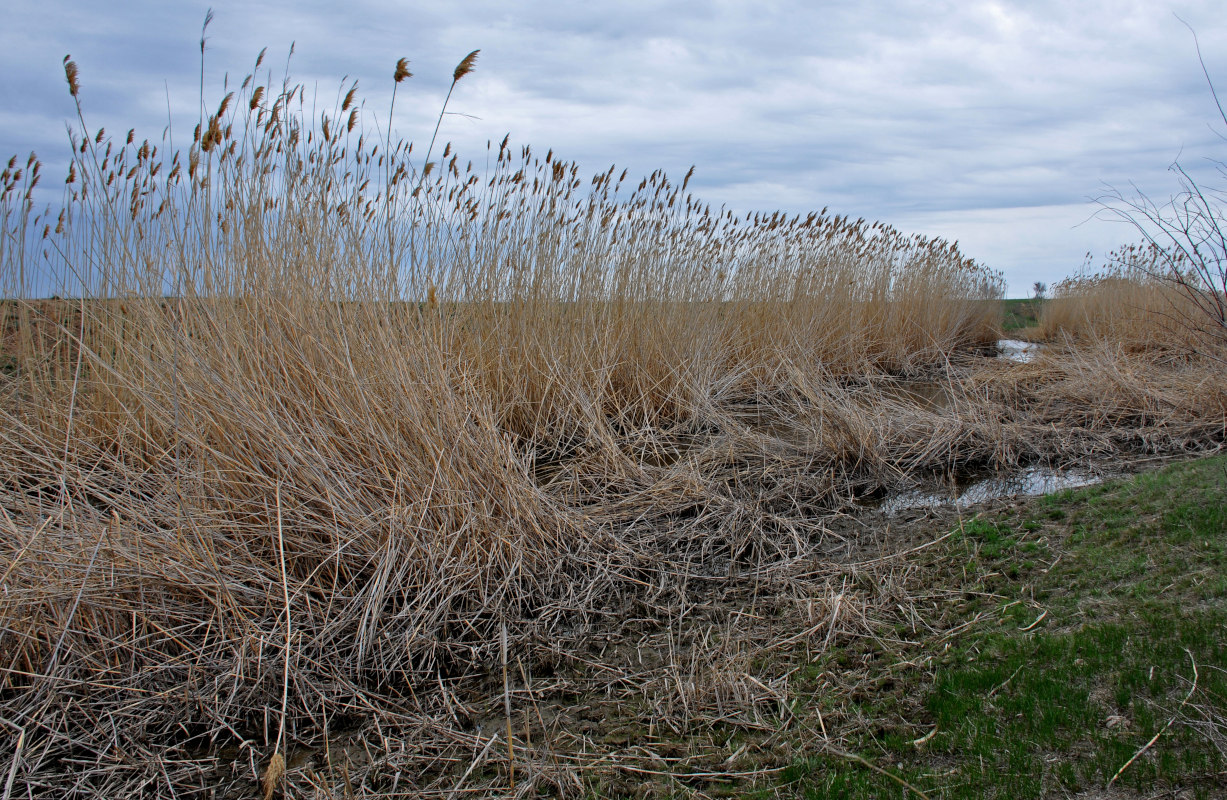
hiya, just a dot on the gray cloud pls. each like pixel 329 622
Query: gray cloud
pixel 987 122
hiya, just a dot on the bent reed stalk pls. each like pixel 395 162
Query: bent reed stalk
pixel 302 378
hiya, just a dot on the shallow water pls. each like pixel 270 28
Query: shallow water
pixel 1015 350
pixel 1027 483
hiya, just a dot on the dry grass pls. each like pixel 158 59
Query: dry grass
pixel 322 424
pixel 1134 303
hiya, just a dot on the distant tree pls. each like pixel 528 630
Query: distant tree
pixel 1041 290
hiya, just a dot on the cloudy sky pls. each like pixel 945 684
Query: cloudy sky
pixel 993 123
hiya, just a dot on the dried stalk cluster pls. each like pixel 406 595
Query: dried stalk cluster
pixel 321 423
pixel 1144 298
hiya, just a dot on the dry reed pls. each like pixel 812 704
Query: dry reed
pixel 409 405
pixel 1134 302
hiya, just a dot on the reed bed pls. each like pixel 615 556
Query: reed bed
pixel 1144 300
pixel 324 427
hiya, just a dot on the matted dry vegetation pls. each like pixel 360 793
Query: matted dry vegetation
pixel 323 434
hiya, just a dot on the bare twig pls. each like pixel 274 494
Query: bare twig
pixel 1162 730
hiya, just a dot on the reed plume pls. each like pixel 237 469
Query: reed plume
pixel 465 66
pixel 71 74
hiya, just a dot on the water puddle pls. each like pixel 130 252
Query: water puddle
pixel 1015 350
pixel 1027 483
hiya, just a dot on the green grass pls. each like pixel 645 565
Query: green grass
pixel 1019 314
pixel 1094 606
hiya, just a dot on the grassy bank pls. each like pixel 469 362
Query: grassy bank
pixel 1018 315
pixel 1072 645
pixel 1094 621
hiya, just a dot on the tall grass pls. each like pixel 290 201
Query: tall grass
pixel 319 415
pixel 1133 302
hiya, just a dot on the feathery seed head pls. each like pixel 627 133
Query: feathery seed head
pixel 402 70
pixel 203 28
pixel 276 768
pixel 212 136
pixel 71 75
pixel 465 66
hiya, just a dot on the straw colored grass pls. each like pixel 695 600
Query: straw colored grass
pixel 321 422
pixel 1134 301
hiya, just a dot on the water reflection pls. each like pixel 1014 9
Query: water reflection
pixel 1028 483
pixel 1015 350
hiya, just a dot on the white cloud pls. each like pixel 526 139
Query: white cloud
pixel 1028 244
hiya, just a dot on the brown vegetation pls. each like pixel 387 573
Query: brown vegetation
pixel 1133 301
pixel 323 430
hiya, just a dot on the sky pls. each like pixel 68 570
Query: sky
pixel 996 124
